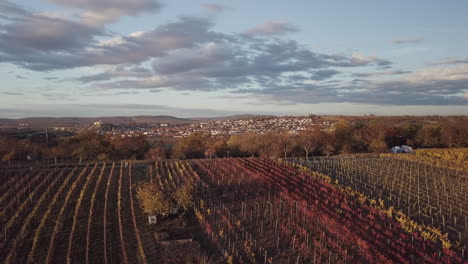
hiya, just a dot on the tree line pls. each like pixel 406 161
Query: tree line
pixel 346 138
pixel 86 145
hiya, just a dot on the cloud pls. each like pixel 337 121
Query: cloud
pixel 185 54
pixel 358 59
pixel 41 41
pixel 71 44
pixel 321 75
pixel 10 10
pixel 241 64
pixel 119 71
pixel 407 40
pixel 59 97
pixel 442 86
pixel 12 93
pixel 127 93
pixel 98 12
pixel 271 28
pixel 449 61
pixel 186 45
pixel 379 73
pixel 206 55
pixel 184 81
pixel 213 8
pixel 41 33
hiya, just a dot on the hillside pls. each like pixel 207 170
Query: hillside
pixel 80 121
pixel 340 209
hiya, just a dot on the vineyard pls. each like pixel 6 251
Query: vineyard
pixel 431 195
pixel 262 211
pixel 454 158
pixel 80 214
pixel 355 209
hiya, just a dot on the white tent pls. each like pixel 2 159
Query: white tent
pixel 407 149
pixel 396 149
pixel 402 149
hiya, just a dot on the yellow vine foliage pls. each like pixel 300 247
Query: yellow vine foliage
pixel 199 215
pixel 428 232
pixel 184 196
pixel 452 158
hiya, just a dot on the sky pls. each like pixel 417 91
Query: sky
pixel 203 59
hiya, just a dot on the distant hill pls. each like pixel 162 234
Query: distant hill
pixel 43 122
pixel 234 117
pixel 38 122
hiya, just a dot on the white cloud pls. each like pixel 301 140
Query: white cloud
pixel 270 28
pixel 207 55
pixel 358 59
pixel 454 73
pixel 407 40
pixel 213 8
pixel 45 32
pixel 449 61
pixel 98 12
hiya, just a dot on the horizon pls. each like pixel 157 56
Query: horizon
pixel 104 58
pixel 230 116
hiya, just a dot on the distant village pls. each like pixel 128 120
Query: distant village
pixel 260 125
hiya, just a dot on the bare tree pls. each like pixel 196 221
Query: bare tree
pixel 285 142
pixel 308 140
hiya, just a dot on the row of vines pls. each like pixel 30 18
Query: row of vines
pixel 435 197
pixel 263 211
pixel 354 209
pixel 71 214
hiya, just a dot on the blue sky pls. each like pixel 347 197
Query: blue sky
pixel 199 58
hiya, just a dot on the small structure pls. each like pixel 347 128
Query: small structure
pixel 152 219
pixel 396 149
pixel 407 149
pixel 403 149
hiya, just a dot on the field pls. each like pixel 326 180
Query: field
pixel 80 214
pixel 350 209
pixel 431 195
